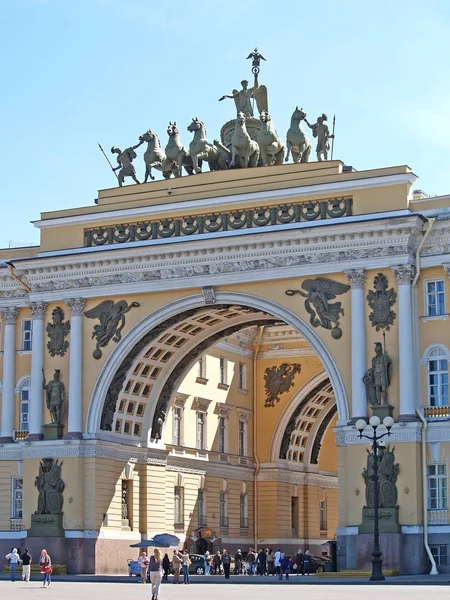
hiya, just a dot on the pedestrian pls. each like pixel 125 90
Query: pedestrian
pixel 262 562
pixel 251 559
pixel 155 568
pixel 143 561
pixel 166 567
pixel 46 567
pixel 226 561
pixel 207 559
pixel 299 561
pixel 238 563
pixel 186 563
pixel 284 566
pixel 177 562
pixel 217 561
pixel 306 563
pixel 277 561
pixel 13 558
pixel 26 565
pixel 270 562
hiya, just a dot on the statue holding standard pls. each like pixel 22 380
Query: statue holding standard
pixel 378 377
pixel 125 163
pixel 55 397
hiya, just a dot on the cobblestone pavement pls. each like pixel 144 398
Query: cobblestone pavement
pixel 118 591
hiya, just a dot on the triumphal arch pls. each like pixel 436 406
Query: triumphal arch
pixel 190 355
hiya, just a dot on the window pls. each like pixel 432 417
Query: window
pixel 223 509
pixel 178 511
pixel 439 552
pixel 201 513
pixel 200 441
pixel 242 438
pixel 323 513
pixel 17 498
pixel 201 368
pixel 242 376
pixel 244 511
pixel 27 334
pixel 222 371
pixel 222 434
pixel 435 299
pixel 437 487
pixel 24 404
pixel 177 420
pixel 437 378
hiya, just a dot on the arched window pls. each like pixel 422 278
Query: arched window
pixel 24 404
pixel 437 378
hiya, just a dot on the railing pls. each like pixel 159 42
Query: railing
pixel 16 525
pixel 178 527
pixel 437 412
pixel 438 517
pixel 282 214
pixel 20 434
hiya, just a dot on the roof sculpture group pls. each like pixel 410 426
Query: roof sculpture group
pixel 245 141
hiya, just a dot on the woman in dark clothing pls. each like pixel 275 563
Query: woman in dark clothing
pixel 226 561
pixel 299 561
pixel 166 567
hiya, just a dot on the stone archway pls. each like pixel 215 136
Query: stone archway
pixel 249 308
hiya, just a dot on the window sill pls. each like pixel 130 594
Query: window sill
pixel 434 318
pixel 201 380
pixel 23 352
pixel 223 386
pixel 242 391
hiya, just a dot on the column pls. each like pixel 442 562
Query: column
pixel 357 278
pixel 75 396
pixel 9 362
pixel 404 275
pixel 37 364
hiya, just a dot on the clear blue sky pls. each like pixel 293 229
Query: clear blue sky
pixel 75 72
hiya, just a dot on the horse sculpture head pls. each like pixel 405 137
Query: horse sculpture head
pixel 241 118
pixel 298 114
pixel 148 136
pixel 265 117
pixel 172 129
pixel 195 125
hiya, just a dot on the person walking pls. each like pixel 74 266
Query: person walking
pixel 155 567
pixel 226 561
pixel 143 561
pixel 13 558
pixel 186 563
pixel 251 559
pixel 284 566
pixel 277 561
pixel 262 562
pixel 238 563
pixel 177 562
pixel 166 567
pixel 306 563
pixel 217 561
pixel 26 565
pixel 46 567
pixel 207 559
pixel 271 562
pixel 299 561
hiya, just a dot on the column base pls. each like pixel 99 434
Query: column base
pixel 34 437
pixel 408 418
pixel 73 435
pixel 6 439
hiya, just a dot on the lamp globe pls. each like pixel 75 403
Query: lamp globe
pixel 374 421
pixel 388 422
pixel 360 424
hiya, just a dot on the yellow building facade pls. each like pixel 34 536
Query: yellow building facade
pixel 212 377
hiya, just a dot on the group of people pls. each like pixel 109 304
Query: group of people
pixel 155 568
pixel 264 562
pixel 15 559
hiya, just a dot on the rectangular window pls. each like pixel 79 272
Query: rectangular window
pixel 242 376
pixel 437 487
pixel 17 498
pixel 439 552
pixel 323 515
pixel 222 371
pixel 222 434
pixel 24 408
pixel 435 298
pixel 176 434
pixel 244 511
pixel 223 510
pixel 27 334
pixel 201 513
pixel 438 378
pixel 178 511
pixel 200 441
pixel 242 438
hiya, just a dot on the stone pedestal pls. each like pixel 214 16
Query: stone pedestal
pixel 387 520
pixel 126 525
pixel 53 431
pixel 46 526
pixel 383 411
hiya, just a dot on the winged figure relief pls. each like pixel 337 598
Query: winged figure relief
pixel 318 293
pixel 279 380
pixel 112 321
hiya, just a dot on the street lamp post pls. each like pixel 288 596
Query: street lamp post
pixel 374 422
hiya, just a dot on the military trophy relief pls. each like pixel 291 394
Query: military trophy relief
pixel 278 381
pixel 57 332
pixel 388 511
pixel 318 294
pixel 381 302
pixel 245 141
pixel 47 519
pixel 112 321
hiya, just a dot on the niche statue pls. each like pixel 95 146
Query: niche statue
pixel 378 378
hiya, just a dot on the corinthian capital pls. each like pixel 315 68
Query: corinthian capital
pixel 76 306
pixel 38 310
pixel 356 277
pixel 10 315
pixel 404 274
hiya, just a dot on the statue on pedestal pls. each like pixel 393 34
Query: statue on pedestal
pixel 55 397
pixel 378 377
